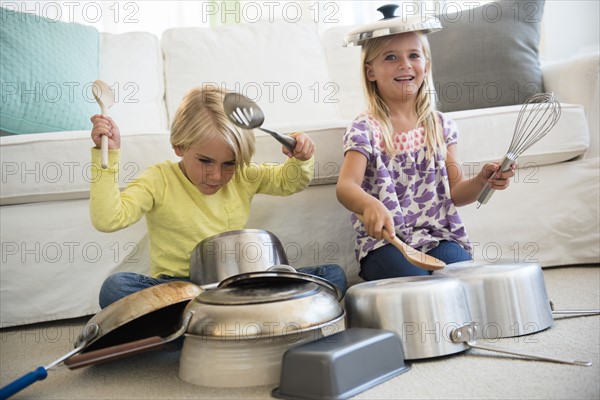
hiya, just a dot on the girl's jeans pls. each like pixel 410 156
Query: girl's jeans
pixel 389 262
pixel 122 284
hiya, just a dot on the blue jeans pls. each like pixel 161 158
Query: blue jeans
pixel 388 262
pixel 122 284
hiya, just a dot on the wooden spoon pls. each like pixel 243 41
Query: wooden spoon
pixel 414 256
pixel 105 98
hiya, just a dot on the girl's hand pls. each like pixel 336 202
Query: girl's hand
pixel 305 147
pixel 500 180
pixel 104 125
pixel 376 219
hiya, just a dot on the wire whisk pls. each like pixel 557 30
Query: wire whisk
pixel 537 117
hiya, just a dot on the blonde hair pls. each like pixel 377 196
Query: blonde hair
pixel 425 103
pixel 200 117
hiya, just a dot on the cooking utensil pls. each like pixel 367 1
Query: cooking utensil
pixel 237 363
pixel 278 274
pixel 235 252
pixel 255 310
pixel 132 318
pixel 467 335
pixel 105 98
pixel 506 300
pixel 391 25
pixel 246 114
pixel 413 255
pixel 341 365
pixel 538 115
pixel 430 314
pixel 247 323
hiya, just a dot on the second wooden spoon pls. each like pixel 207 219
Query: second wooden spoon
pixel 414 256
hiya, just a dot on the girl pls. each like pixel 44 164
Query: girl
pixel 400 169
pixel 206 193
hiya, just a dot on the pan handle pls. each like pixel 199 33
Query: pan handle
pixel 466 334
pixel 16 386
pixel 114 352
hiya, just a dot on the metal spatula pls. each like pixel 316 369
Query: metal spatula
pixel 246 114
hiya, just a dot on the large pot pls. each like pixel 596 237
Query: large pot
pixel 505 299
pixel 429 313
pixel 235 252
pixel 238 333
pixel 421 310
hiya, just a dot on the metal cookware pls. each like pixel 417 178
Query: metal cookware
pixel 422 311
pixel 391 24
pixel 430 313
pixel 506 300
pixel 245 326
pixel 235 252
pixel 132 318
pixel 246 114
pixel 341 365
pixel 253 307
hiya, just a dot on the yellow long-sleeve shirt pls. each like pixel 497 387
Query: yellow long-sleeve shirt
pixel 178 215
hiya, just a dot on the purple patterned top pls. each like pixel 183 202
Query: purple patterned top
pixel 414 188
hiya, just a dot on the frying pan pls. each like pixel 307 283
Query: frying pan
pixel 132 318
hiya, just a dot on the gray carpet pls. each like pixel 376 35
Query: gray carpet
pixel 473 374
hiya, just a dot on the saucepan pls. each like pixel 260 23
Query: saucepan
pixel 506 300
pixel 430 314
pixel 131 319
pixel 235 252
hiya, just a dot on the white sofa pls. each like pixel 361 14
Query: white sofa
pixel 54 261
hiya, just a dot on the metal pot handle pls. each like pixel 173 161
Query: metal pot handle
pixel 282 267
pixel 466 334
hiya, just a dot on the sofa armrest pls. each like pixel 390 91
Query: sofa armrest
pixel 576 81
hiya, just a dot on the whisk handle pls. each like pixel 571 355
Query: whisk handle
pixel 487 191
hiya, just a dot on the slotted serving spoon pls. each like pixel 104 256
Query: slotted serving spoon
pixel 414 256
pixel 246 114
pixel 105 98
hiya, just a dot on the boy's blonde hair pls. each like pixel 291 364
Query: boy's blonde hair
pixel 200 117
pixel 425 104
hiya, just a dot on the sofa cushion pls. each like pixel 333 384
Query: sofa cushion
pixel 131 64
pixel 279 64
pixel 345 70
pixel 47 71
pixel 570 137
pixel 487 56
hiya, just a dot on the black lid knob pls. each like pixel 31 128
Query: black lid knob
pixel 388 11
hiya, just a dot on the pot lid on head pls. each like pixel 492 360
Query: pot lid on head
pixel 391 25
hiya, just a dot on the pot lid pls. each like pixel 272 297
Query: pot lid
pixel 277 277
pixel 391 25
pixel 258 293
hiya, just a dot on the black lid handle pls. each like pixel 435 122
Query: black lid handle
pixel 388 11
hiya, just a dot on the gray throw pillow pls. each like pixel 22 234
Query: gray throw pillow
pixel 487 56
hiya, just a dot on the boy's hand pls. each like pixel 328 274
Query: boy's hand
pixel 305 147
pixel 104 125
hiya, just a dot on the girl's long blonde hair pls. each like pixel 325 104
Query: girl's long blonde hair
pixel 425 104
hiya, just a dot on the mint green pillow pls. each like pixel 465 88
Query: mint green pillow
pixel 46 71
